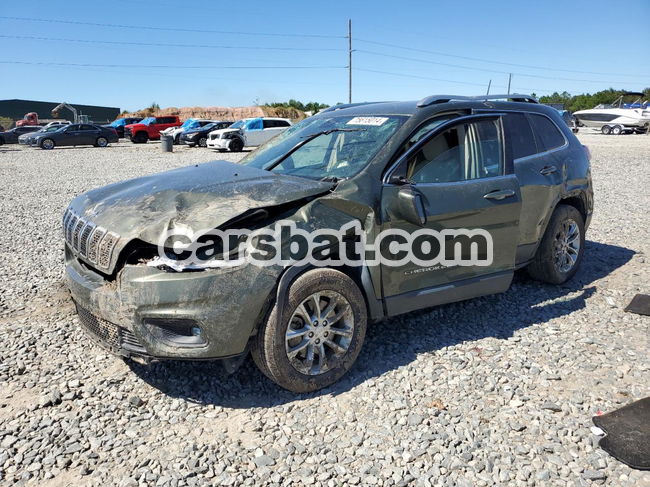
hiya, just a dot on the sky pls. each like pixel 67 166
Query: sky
pixel 217 53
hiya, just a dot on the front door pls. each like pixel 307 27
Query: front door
pixel 461 178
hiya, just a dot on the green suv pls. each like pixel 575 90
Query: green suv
pixel 504 165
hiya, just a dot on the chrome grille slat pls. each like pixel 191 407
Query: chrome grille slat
pixel 106 249
pixel 71 224
pixel 76 232
pixel 83 239
pixel 93 246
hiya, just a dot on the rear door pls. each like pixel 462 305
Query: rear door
pixel 88 134
pixel 463 175
pixel 539 163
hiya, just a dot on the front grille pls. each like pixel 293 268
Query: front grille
pixel 109 334
pixel 93 243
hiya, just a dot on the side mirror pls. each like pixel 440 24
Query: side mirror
pixel 410 206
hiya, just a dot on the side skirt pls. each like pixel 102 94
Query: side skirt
pixel 449 293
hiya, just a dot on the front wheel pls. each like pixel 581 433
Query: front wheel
pixel 560 252
pixel 47 144
pixel 140 138
pixel 617 129
pixel 320 335
pixel 203 142
pixel 236 145
pixel 606 130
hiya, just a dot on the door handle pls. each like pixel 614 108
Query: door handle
pixel 499 194
pixel 547 170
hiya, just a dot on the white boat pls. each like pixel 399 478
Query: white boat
pixel 615 118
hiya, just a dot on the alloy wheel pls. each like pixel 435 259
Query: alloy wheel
pixel 319 333
pixel 567 246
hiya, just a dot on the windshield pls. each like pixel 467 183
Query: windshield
pixel 211 126
pixel 237 125
pixel 189 123
pixel 148 121
pixel 119 122
pixel 344 149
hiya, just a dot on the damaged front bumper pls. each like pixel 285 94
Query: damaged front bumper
pixel 153 313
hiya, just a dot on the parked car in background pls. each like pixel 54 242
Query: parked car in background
pixel 199 136
pixel 189 124
pixel 77 134
pixel 30 137
pixel 150 128
pixel 11 136
pixel 120 123
pixel 249 132
pixel 57 123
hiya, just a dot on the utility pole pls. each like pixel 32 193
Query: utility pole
pixel 488 90
pixel 509 80
pixel 349 60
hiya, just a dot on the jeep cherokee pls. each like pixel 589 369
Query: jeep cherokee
pixel 505 164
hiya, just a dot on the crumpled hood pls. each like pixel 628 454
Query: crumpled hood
pixel 200 197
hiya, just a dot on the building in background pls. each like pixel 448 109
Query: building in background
pixel 16 110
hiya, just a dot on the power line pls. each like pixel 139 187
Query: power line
pixel 545 68
pixel 413 76
pixel 489 70
pixel 172 29
pixel 162 44
pixel 165 66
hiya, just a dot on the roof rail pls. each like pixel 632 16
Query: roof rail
pixel 349 105
pixel 433 99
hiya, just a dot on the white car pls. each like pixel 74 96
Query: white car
pixel 58 123
pixel 249 132
pixel 189 124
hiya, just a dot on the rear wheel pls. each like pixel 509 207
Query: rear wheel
pixel 606 129
pixel 47 144
pixel 236 145
pixel 617 130
pixel 322 330
pixel 562 247
pixel 101 142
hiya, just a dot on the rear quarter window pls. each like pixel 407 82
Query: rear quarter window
pixel 521 136
pixel 547 134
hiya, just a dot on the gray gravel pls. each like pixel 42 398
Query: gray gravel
pixel 495 391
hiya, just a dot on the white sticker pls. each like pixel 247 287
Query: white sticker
pixel 367 121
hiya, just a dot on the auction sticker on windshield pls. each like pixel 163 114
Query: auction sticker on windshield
pixel 367 121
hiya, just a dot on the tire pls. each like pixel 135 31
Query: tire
pixel 101 142
pixel 553 262
pixel 47 144
pixel 203 142
pixel 270 347
pixel 617 130
pixel 140 138
pixel 606 129
pixel 236 145
pixel 2 141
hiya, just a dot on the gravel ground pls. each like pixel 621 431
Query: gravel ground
pixel 495 391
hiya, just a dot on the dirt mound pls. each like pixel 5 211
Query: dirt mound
pixel 221 113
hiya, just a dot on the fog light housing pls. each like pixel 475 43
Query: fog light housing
pixel 180 333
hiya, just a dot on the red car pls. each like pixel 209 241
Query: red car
pixel 149 128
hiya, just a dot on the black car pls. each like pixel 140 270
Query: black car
pixel 11 136
pixel 200 136
pixel 120 123
pixel 77 134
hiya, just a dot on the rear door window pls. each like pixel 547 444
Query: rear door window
pixel 547 134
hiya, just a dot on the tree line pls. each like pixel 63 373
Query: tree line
pixel 586 101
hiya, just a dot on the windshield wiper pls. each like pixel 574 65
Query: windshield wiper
pixel 306 139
